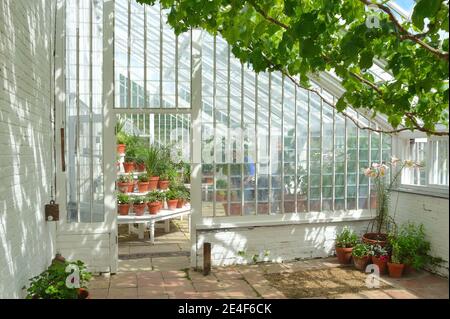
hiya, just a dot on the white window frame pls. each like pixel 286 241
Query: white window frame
pixel 401 148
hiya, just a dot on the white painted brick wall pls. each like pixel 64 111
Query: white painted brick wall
pixel 27 241
pixel 432 212
pixel 283 243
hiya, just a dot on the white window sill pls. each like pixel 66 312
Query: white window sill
pixel 210 223
pixel 432 191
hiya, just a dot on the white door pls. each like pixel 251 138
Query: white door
pixel 87 227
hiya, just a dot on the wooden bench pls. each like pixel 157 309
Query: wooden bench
pixel 147 219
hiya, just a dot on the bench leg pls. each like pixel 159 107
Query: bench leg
pixel 152 232
pixel 141 230
pixel 167 226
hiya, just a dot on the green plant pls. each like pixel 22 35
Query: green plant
pixel 361 250
pixel 221 184
pixel 125 178
pixel 150 157
pixel 143 178
pixel 172 194
pixel 138 200
pixel 51 284
pixel 182 191
pixel 346 239
pixel 123 198
pixel 378 251
pixel 122 138
pixel 155 196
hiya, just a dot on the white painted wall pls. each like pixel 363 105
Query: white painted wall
pixel 432 212
pixel 27 241
pixel 310 237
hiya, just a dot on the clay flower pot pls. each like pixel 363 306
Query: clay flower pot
pixel 123 209
pixel 126 187
pixel 181 203
pixel 172 204
pixel 140 167
pixel 121 148
pixel 128 167
pixel 143 187
pixel 344 255
pixel 153 183
pixel 382 264
pixel 163 184
pixel 395 270
pixel 153 207
pixel 375 239
pixel 360 262
pixel 139 209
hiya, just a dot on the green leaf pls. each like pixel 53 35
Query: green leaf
pixel 309 49
pixel 366 59
pixel 424 9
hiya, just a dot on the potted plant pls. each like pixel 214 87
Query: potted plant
pixel 172 197
pixel 345 241
pixel 123 204
pixel 380 257
pixel 125 183
pixel 128 164
pixel 221 195
pixel 51 284
pixel 360 255
pixel 138 205
pixel 154 202
pixel 143 183
pixel 378 172
pixel 183 194
pixel 396 265
pixel 151 158
pixel 140 159
pixel 221 186
pixel 121 137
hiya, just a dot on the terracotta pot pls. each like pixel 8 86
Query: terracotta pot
pixel 209 180
pixel 344 255
pixel 143 187
pixel 360 262
pixel 83 294
pixel 138 209
pixel 123 209
pixel 125 187
pixel 121 148
pixel 153 207
pixel 382 265
pixel 128 167
pixel 140 167
pixel 375 239
pixel 181 203
pixel 220 197
pixel 395 270
pixel 172 204
pixel 163 184
pixel 153 183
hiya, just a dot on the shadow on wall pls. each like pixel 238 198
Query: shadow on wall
pixel 26 240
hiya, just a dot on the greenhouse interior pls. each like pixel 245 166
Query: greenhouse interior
pixel 222 149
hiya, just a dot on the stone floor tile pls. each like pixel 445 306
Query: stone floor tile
pixel 98 293
pixel 134 265
pixel 99 282
pixel 123 280
pixel 122 293
pixel 400 294
pixel 375 294
pixel 152 293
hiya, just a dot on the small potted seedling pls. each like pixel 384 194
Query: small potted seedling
pixel 360 254
pixel 129 162
pixel 123 204
pixel 154 202
pixel 380 257
pixel 143 183
pixel 138 205
pixel 345 241
pixel 125 183
pixel 172 197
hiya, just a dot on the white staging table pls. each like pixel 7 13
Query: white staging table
pixel 163 215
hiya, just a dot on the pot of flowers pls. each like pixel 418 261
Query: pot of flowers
pixel 51 283
pixel 121 138
pixel 138 205
pixel 380 257
pixel 378 172
pixel 153 202
pixel 172 197
pixel 360 255
pixel 123 204
pixel 143 183
pixel 125 183
pixel 345 241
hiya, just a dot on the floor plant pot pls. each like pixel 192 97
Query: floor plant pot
pixel 121 148
pixel 126 187
pixel 123 209
pixel 344 255
pixel 395 270
pixel 360 262
pixel 375 239
pixel 153 208
pixel 153 183
pixel 128 167
pixel 139 209
pixel 163 184
pixel 143 187
pixel 172 204
pixel 382 265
